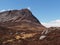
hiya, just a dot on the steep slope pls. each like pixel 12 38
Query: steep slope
pixel 20 19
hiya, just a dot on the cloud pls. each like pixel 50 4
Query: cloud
pixel 54 23
pixel 2 10
pixel 5 10
pixel 29 8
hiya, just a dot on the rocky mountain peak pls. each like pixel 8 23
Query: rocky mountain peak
pixel 14 15
pixel 20 19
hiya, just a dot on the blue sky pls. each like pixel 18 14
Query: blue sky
pixel 44 10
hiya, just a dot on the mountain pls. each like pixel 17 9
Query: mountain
pixel 18 25
pixel 20 20
pixel 21 27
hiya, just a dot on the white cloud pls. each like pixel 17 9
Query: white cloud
pixel 54 23
pixel 29 8
pixel 5 10
pixel 2 10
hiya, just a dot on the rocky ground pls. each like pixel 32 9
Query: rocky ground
pixel 46 37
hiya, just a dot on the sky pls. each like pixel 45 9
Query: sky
pixel 46 11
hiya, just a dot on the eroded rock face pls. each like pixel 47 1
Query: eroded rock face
pixel 17 15
pixel 20 19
